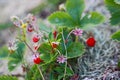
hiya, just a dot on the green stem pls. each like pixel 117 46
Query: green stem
pixel 40 73
pixel 51 46
pixel 26 45
pixel 77 37
pixel 70 68
pixel 58 52
pixel 65 54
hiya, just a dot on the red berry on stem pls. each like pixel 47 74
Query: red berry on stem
pixel 91 42
pixel 37 59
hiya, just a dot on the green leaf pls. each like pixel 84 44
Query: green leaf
pixel 61 19
pixel 112 6
pixel 12 64
pixel 44 27
pixel 115 18
pixel 76 49
pixel 75 8
pixel 116 35
pixel 16 58
pixel 92 19
pixel 6 77
pixel 117 1
pixel 46 53
pixel 60 71
pixel 19 52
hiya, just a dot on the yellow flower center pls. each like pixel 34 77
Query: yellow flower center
pixel 24 25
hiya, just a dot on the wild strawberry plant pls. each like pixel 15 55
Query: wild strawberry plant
pixel 53 51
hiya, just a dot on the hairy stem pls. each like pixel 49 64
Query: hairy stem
pixel 40 73
pixel 65 54
pixel 29 47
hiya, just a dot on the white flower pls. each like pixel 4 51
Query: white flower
pixel 12 46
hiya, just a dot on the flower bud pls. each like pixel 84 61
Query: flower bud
pixel 30 28
pixel 55 34
pixel 55 44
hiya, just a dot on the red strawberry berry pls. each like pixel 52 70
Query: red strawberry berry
pixel 55 44
pixel 37 59
pixel 36 38
pixel 55 34
pixel 91 42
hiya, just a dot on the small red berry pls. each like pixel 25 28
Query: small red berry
pixel 36 38
pixel 91 42
pixel 30 28
pixel 55 44
pixel 37 59
pixel 55 34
